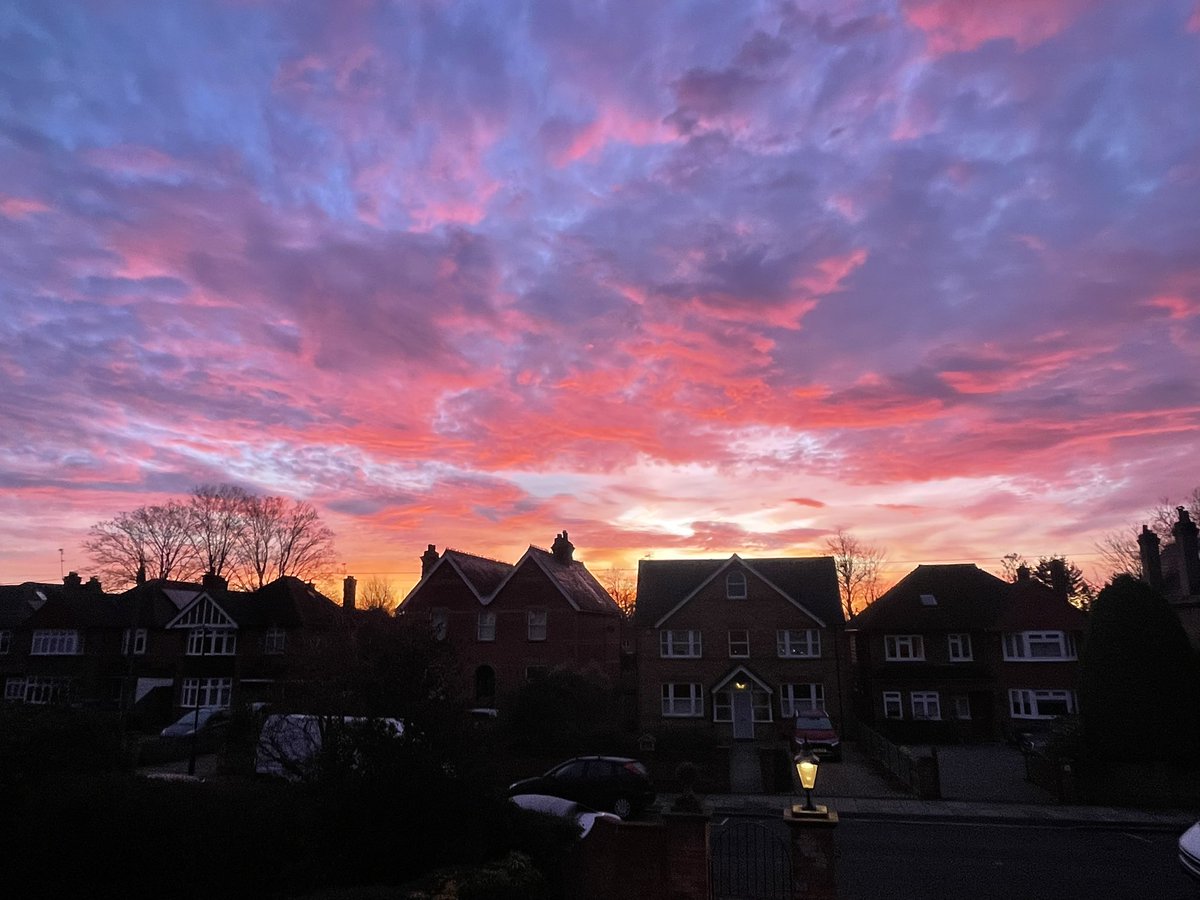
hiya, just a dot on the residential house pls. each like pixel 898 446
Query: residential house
pixel 735 647
pixel 1175 570
pixel 510 623
pixel 953 652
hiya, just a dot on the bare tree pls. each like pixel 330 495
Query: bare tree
pixel 1119 549
pixel 378 593
pixel 622 588
pixel 150 539
pixel 858 570
pixel 1010 563
pixel 218 515
pixel 284 537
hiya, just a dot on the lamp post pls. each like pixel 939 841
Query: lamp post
pixel 196 709
pixel 806 771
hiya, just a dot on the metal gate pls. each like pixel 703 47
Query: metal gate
pixel 748 862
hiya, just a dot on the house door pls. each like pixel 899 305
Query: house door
pixel 743 715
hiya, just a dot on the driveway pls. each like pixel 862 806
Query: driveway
pixel 989 773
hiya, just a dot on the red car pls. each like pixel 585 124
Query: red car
pixel 813 728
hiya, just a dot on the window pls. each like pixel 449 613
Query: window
pixel 805 642
pixel 1027 704
pixel 681 699
pixel 892 707
pixel 139 641
pixel 735 586
pixel 1035 646
pixel 960 648
pixel 760 705
pixel 274 641
pixel 485 627
pixel 206 692
pixel 537 624
pixel 739 643
pixel 794 698
pixel 14 689
pixel 439 622
pixel 904 647
pixel 679 643
pixel 5 642
pixel 55 642
pixel 47 689
pixel 926 705
pixel 212 642
pixel 961 706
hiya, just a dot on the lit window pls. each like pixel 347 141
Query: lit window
pixel 795 698
pixel 735 586
pixel 679 643
pixel 1034 646
pixel 893 708
pixel 682 700
pixel 739 643
pixel 904 647
pixel 485 627
pixel 926 705
pixel 537 624
pixel 274 641
pixel 960 648
pixel 55 642
pixel 803 642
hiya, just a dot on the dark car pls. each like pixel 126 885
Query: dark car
pixel 812 729
pixel 208 723
pixel 613 783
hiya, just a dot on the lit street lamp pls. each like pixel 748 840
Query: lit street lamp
pixel 806 771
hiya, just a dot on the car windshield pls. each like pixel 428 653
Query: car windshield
pixel 815 723
pixel 190 717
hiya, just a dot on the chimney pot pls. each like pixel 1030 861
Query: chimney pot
pixel 429 559
pixel 1185 533
pixel 563 549
pixel 214 582
pixel 349 588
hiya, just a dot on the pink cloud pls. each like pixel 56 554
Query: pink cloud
pixel 955 26
pixel 20 207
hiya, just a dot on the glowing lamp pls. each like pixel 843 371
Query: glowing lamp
pixel 806 771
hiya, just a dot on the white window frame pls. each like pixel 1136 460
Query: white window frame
pixel 139 641
pixel 798 643
pixel 14 689
pixel 794 698
pixel 959 647
pixel 274 641
pixel 760 705
pixel 537 624
pixel 893 702
pixel 5 642
pixel 680 643
pixel 56 642
pixel 209 691
pixel 682 700
pixel 1029 646
pixel 1023 702
pixel 485 625
pixel 209 641
pixel 904 647
pixel 926 706
pixel 735 586
pixel 739 643
pixel 439 622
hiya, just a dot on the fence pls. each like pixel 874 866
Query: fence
pixel 918 773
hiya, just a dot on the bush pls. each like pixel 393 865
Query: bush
pixel 37 742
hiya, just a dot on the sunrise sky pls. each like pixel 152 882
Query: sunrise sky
pixel 683 278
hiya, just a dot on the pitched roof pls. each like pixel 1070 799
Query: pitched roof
pixel 287 602
pixel 577 584
pixel 807 581
pixel 19 601
pixel 482 574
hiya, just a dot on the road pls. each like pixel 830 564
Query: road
pixel 990 862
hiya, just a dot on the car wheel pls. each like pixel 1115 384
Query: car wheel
pixel 622 807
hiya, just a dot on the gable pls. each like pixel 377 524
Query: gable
pixel 458 580
pixel 742 674
pixel 203 612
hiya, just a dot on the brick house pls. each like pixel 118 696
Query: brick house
pixel 734 647
pixel 953 652
pixel 509 623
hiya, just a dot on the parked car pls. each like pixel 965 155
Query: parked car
pixel 581 815
pixel 615 784
pixel 208 723
pixel 1189 851
pixel 812 729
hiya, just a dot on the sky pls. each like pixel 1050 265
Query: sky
pixel 681 278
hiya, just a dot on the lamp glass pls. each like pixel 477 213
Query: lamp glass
pixel 806 768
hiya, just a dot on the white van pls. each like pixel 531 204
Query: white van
pixel 289 746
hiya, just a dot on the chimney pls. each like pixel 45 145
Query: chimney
pixel 214 582
pixel 1022 572
pixel 72 580
pixel 349 586
pixel 429 559
pixel 94 586
pixel 1059 583
pixel 1151 560
pixel 141 574
pixel 1184 531
pixel 563 549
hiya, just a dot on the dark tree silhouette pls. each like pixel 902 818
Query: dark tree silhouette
pixel 858 570
pixel 154 540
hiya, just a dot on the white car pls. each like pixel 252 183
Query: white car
pixel 565 809
pixel 1189 851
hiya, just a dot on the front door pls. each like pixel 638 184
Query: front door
pixel 743 715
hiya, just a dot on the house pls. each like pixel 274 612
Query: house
pixel 510 623
pixel 1175 570
pixel 735 647
pixel 953 652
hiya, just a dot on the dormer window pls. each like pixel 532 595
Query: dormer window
pixel 735 586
